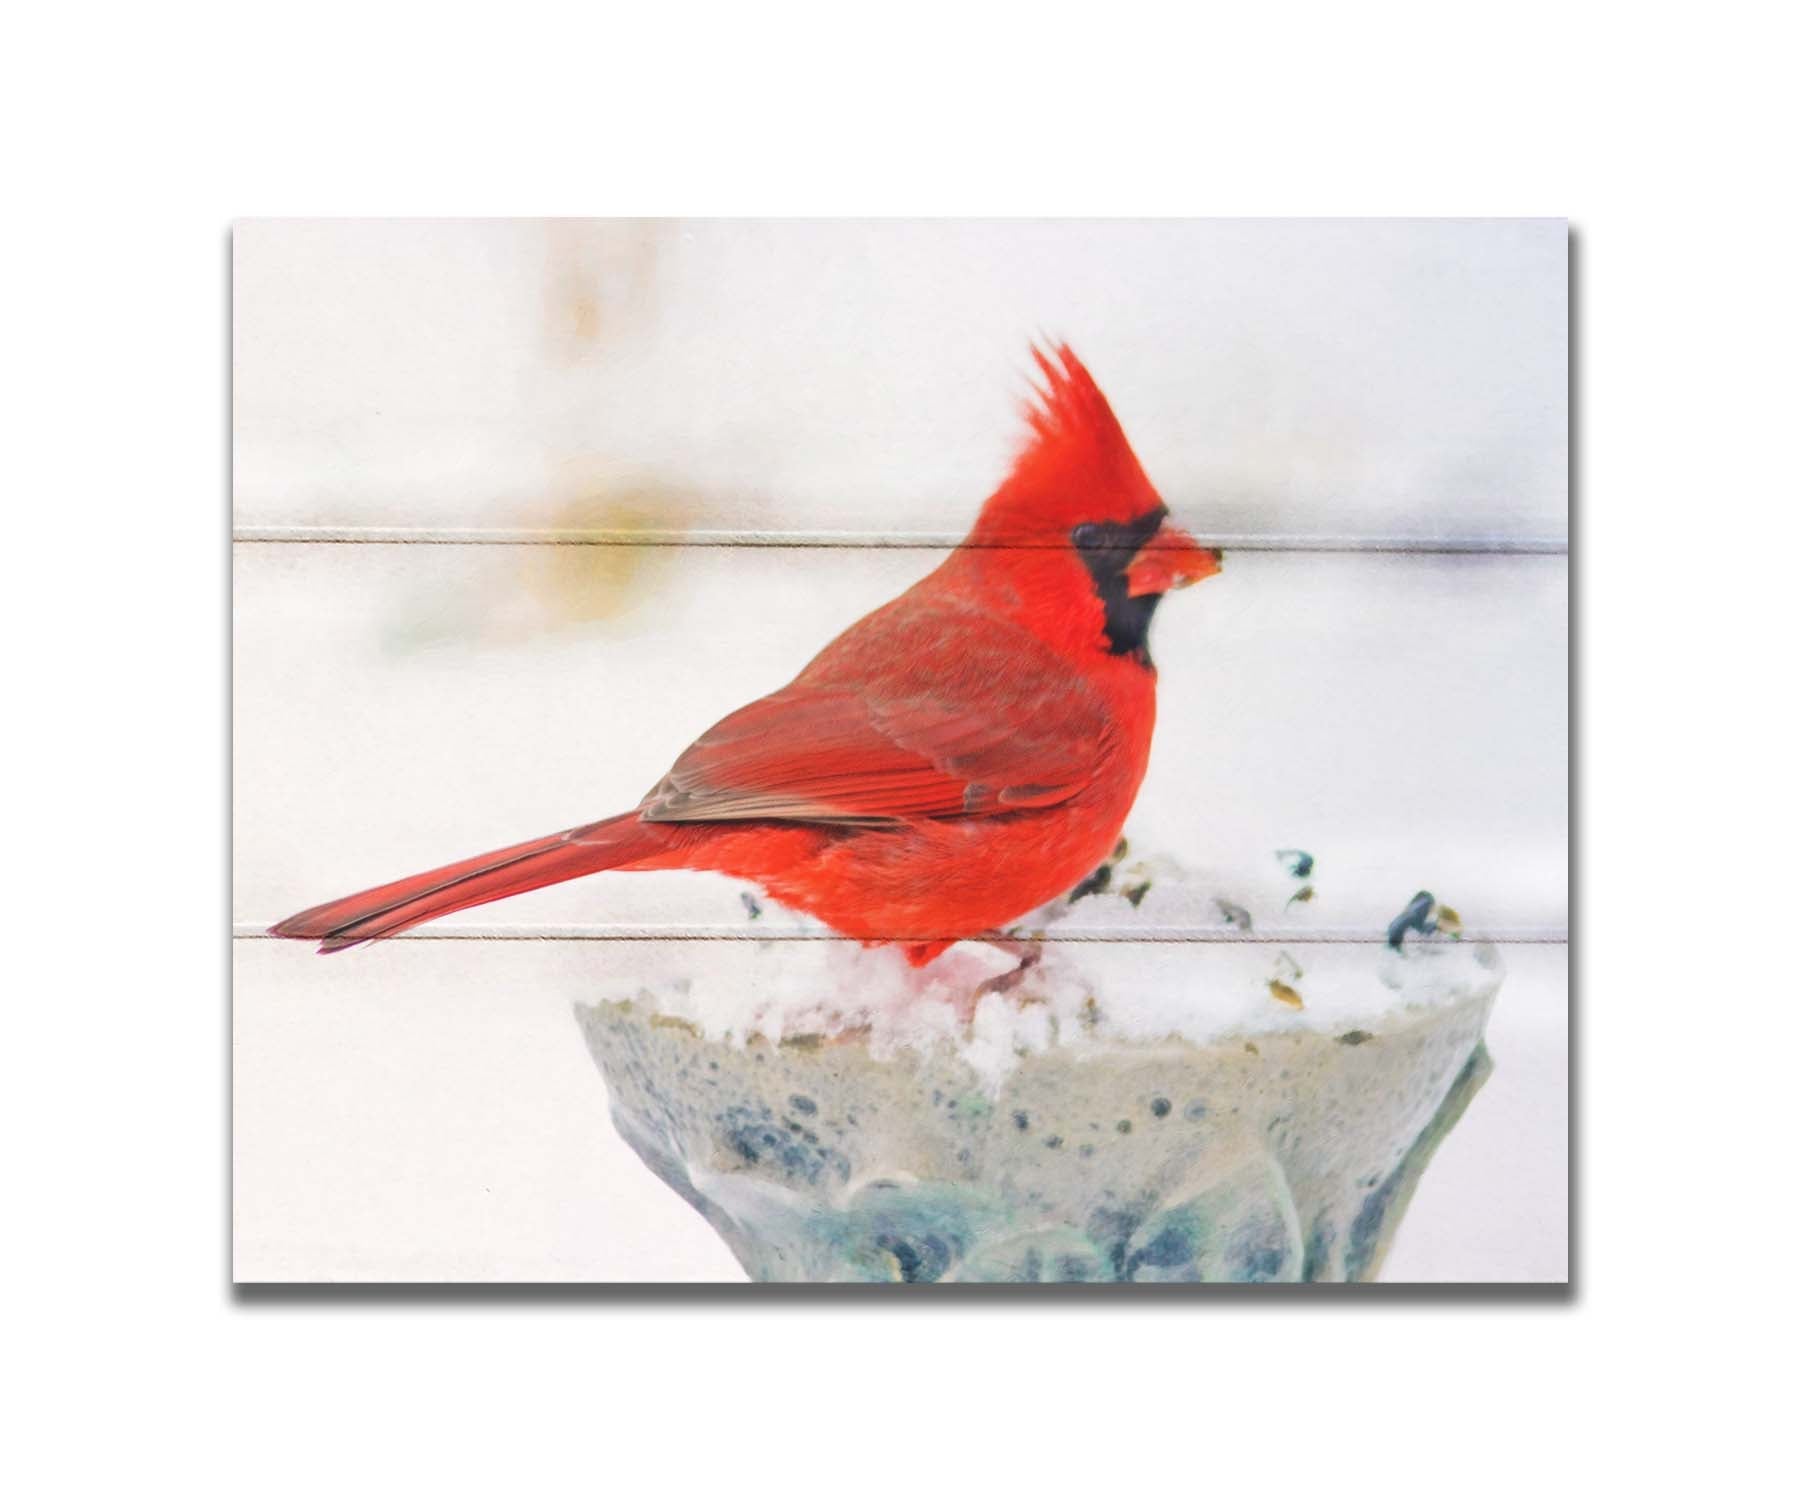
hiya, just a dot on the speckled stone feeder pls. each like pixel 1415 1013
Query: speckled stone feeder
pixel 1283 1154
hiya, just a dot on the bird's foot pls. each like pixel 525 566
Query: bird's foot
pixel 1028 951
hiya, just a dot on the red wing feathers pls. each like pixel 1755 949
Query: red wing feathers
pixel 939 728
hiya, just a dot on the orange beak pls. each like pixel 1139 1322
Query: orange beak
pixel 1169 560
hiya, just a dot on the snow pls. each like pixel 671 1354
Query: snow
pixel 1105 977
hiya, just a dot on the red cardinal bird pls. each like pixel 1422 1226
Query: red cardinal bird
pixel 950 762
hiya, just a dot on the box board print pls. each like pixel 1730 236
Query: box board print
pixel 900 751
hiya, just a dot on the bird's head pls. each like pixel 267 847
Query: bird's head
pixel 1081 526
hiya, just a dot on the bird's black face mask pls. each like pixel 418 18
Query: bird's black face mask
pixel 1106 549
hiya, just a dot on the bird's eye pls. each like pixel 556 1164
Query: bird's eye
pixel 1085 535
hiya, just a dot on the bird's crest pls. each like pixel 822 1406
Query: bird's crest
pixel 1069 404
pixel 1076 465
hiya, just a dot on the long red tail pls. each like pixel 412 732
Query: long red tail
pixel 392 908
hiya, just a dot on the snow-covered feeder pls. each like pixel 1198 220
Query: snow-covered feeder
pixel 1126 1111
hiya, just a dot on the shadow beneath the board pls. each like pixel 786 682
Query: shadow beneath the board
pixel 1075 1294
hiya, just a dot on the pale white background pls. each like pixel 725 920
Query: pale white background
pixel 1369 414
pixel 1658 1373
